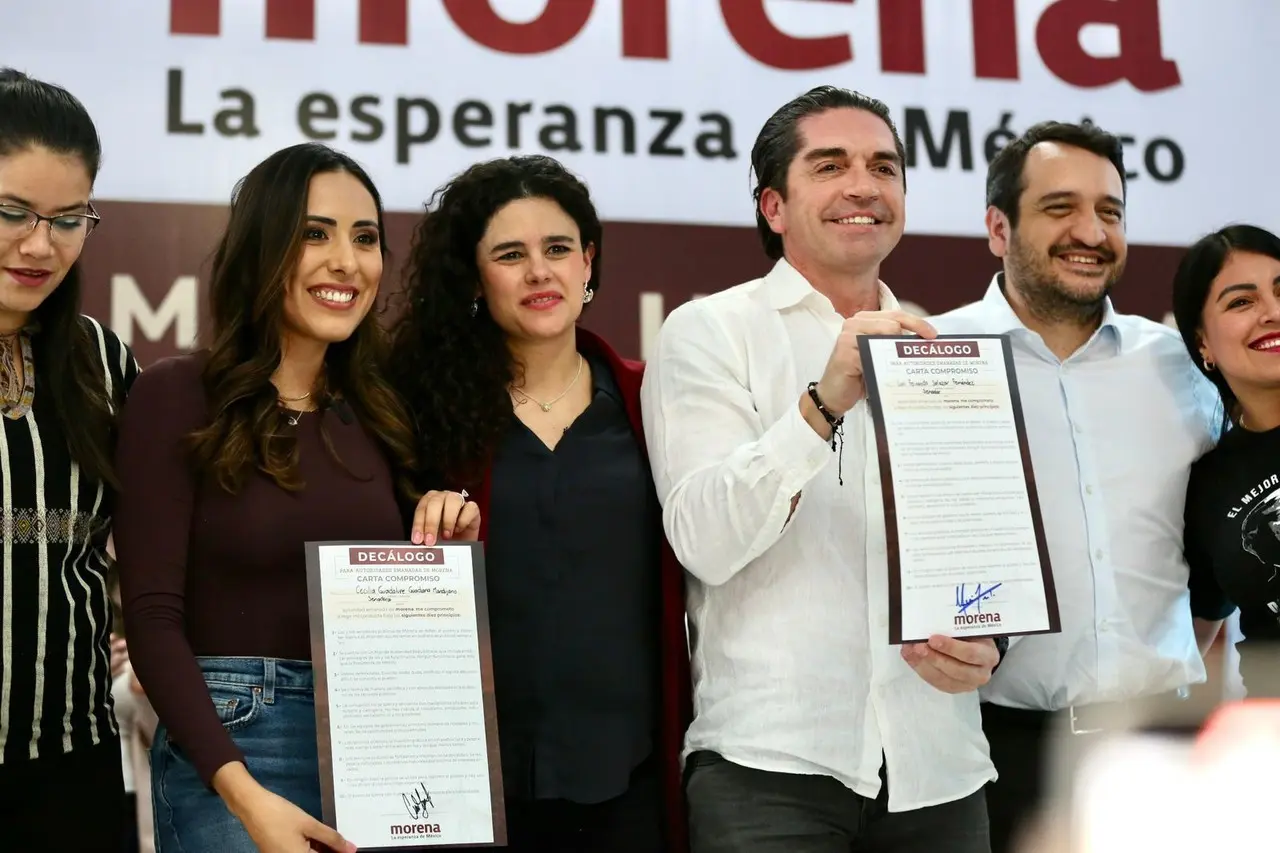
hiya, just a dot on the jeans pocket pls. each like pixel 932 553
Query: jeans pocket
pixel 238 705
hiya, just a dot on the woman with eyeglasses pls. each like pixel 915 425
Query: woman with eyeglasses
pixel 63 377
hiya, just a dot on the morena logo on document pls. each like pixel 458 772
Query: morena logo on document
pixel 416 803
pixel 969 602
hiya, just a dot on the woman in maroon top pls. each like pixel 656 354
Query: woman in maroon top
pixel 541 419
pixel 282 431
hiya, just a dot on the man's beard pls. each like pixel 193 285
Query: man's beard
pixel 1046 296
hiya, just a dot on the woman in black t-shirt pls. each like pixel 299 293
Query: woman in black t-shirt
pixel 1227 306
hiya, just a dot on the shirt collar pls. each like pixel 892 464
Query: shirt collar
pixel 1004 320
pixel 786 288
pixel 602 379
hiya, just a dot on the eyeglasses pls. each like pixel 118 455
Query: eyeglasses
pixel 65 229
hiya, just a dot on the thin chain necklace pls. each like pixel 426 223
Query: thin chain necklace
pixel 1244 425
pixel 522 397
pixel 293 415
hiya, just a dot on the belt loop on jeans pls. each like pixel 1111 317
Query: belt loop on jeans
pixel 269 680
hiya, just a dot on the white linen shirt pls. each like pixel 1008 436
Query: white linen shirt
pixel 1113 431
pixel 792 667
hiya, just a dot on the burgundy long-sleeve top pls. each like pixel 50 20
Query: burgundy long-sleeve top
pixel 208 573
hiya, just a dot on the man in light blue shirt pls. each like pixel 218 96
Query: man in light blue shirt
pixel 1115 414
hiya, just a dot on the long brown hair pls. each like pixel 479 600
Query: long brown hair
pixel 251 267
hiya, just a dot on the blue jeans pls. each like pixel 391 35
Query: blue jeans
pixel 268 708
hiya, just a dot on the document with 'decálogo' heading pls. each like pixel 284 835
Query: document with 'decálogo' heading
pixel 405 716
pixel 966 549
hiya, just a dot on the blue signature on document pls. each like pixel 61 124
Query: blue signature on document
pixel 965 599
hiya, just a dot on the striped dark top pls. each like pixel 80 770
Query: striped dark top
pixel 55 616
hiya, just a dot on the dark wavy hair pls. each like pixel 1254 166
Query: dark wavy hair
pixel 252 264
pixel 35 114
pixel 1193 280
pixel 452 369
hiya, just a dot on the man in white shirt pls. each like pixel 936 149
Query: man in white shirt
pixel 1115 414
pixel 811 733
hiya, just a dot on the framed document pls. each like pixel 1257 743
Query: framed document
pixel 405 716
pixel 965 542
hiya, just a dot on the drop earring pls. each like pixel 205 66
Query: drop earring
pixel 475 306
pixel 587 294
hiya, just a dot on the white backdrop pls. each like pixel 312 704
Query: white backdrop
pixel 121 59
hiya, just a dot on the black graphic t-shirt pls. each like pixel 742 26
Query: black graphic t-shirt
pixel 1233 547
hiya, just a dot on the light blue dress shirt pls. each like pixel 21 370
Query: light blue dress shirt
pixel 1113 431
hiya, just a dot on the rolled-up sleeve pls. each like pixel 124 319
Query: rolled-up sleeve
pixel 725 478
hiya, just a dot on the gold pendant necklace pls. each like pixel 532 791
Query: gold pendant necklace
pixel 293 415
pixel 546 407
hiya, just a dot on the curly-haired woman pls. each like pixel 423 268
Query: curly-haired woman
pixel 541 419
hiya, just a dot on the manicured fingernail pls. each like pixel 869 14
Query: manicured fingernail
pixel 417 538
pixel 429 540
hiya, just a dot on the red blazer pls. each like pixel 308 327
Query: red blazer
pixel 677 683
